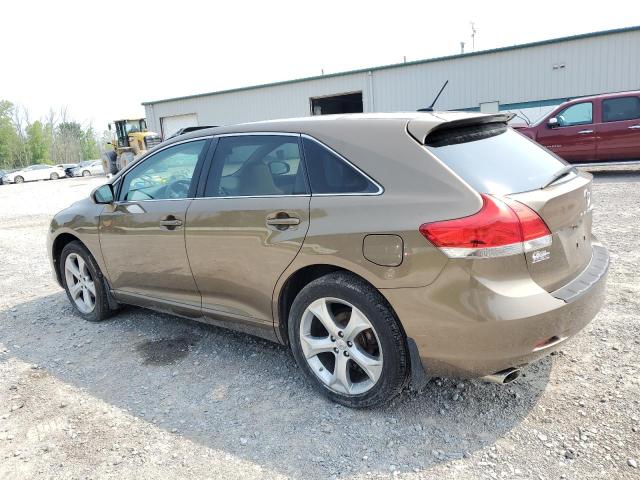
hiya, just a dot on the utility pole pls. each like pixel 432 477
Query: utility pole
pixel 473 36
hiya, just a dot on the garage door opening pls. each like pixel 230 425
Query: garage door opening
pixel 171 125
pixel 345 103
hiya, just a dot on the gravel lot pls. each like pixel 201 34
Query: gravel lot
pixel 148 395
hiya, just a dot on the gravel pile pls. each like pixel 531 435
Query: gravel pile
pixel 147 395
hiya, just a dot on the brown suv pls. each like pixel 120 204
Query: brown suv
pixel 381 248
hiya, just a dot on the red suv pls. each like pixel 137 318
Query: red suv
pixel 591 129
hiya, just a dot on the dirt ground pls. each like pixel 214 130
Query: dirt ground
pixel 147 395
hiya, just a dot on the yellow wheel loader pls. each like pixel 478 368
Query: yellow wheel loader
pixel 131 140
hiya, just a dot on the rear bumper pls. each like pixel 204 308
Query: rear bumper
pixel 466 325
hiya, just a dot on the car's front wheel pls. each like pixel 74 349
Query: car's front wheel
pixel 86 173
pixel 346 338
pixel 18 179
pixel 54 176
pixel 84 283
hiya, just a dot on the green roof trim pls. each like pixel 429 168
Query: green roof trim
pixel 405 64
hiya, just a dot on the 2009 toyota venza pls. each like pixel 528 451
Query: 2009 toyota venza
pixel 382 248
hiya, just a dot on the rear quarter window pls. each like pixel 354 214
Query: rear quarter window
pixel 618 109
pixel 330 174
pixel 493 158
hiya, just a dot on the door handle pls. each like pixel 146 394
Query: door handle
pixel 634 127
pixel 282 220
pixel 582 132
pixel 170 222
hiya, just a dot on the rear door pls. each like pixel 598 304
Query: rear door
pixel 574 137
pixel 35 172
pixel 247 225
pixel 619 131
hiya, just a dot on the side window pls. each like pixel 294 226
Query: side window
pixel 329 174
pixel 257 165
pixel 617 109
pixel 578 114
pixel 164 175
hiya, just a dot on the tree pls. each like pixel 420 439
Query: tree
pixel 90 148
pixel 8 138
pixel 37 143
pixel 69 137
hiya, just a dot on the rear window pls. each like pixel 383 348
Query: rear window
pixel 493 158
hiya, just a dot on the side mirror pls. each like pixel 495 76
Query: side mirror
pixel 279 168
pixel 109 127
pixel 103 194
pixel 553 123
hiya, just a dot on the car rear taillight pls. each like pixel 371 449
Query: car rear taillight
pixel 502 227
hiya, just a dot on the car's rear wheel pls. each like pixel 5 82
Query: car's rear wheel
pixel 346 338
pixel 86 173
pixel 19 179
pixel 84 283
pixel 54 176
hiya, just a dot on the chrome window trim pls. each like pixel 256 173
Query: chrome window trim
pixel 254 196
pixel 135 202
pixel 355 167
pixel 135 164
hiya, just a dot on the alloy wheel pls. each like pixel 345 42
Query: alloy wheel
pixel 341 346
pixel 80 283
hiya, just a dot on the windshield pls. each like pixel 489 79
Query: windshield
pixel 495 159
pixel 132 127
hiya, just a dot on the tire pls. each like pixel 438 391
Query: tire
pixel 18 179
pixel 54 176
pixel 344 294
pixel 101 309
pixel 86 173
pixel 111 158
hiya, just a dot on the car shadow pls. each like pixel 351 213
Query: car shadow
pixel 245 395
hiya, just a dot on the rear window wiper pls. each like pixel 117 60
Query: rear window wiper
pixel 559 174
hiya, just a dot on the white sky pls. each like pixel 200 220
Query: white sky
pixel 102 59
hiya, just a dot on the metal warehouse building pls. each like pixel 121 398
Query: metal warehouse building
pixel 530 78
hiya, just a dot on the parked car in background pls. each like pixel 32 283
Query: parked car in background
pixel 601 128
pixel 67 167
pixel 2 174
pixel 87 168
pixel 34 172
pixel 373 245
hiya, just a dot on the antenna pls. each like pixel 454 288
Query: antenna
pixel 430 107
pixel 473 36
pixel 461 48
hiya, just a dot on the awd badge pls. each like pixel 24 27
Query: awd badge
pixel 540 255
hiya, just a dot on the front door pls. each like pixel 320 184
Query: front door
pixel 619 132
pixel 248 226
pixel 574 137
pixel 142 234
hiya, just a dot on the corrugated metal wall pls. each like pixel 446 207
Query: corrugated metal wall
pixel 598 64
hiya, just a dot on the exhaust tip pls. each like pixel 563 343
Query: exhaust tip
pixel 503 377
pixel 511 376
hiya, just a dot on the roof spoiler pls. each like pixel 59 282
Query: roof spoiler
pixel 421 128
